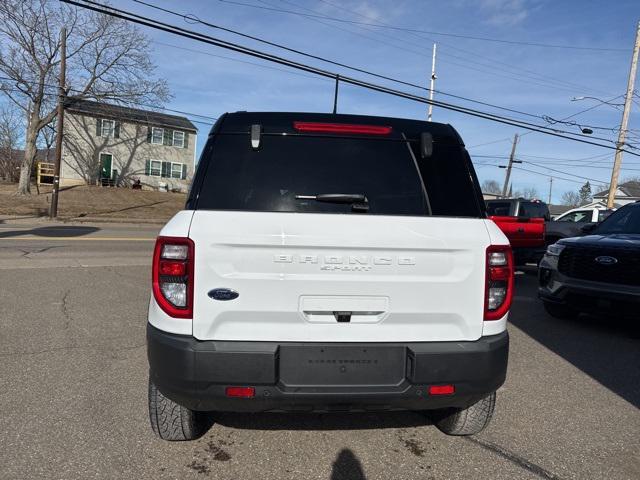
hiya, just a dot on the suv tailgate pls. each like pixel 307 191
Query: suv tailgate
pixel 399 278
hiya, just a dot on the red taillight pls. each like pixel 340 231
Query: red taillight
pixel 172 276
pixel 316 127
pixel 442 390
pixel 176 269
pixel 240 392
pixel 498 282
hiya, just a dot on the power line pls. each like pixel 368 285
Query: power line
pixel 431 32
pixel 473 55
pixel 146 21
pixel 560 171
pixel 555 176
pixel 194 19
pixel 129 102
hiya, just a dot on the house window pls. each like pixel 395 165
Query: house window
pixel 157 135
pixel 176 170
pixel 155 168
pixel 107 128
pixel 178 139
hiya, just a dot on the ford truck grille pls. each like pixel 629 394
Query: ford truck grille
pixel 580 262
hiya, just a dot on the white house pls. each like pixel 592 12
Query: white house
pixel 116 145
pixel 627 192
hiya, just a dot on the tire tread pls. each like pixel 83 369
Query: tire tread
pixel 467 421
pixel 171 421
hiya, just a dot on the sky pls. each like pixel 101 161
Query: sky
pixel 533 80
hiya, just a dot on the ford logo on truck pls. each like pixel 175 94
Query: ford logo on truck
pixel 606 260
pixel 223 294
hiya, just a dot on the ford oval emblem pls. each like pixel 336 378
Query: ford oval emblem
pixel 606 260
pixel 223 294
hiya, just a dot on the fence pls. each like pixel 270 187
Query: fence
pixel 44 173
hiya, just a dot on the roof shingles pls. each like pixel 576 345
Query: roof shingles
pixel 630 189
pixel 109 110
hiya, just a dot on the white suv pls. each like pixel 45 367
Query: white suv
pixel 329 263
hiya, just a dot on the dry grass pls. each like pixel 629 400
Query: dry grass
pixel 95 202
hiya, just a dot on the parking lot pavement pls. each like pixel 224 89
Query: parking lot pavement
pixel 73 394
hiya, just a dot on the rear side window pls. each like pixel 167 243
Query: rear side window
pixel 385 171
pixel 533 210
pixel 499 209
pixel 268 179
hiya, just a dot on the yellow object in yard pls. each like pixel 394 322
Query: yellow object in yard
pixel 44 173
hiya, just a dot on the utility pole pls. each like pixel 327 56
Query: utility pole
pixel 433 82
pixel 53 212
pixel 613 186
pixel 511 162
pixel 550 187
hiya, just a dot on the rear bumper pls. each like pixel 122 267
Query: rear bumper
pixel 324 377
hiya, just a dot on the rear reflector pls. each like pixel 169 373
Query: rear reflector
pixel 240 392
pixel 315 127
pixel 442 390
pixel 177 269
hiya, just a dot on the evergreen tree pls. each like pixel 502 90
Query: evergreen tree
pixel 585 193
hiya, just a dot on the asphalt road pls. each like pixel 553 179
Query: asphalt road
pixel 73 377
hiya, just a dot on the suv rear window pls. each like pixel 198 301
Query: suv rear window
pixel 240 178
pixel 499 209
pixel 533 210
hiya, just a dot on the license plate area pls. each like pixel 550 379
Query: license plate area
pixel 336 366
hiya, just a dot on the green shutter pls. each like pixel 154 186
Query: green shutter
pixel 167 138
pixel 166 167
pixel 184 172
pixel 149 134
pixel 186 139
pixel 147 167
pixel 98 127
pixel 116 129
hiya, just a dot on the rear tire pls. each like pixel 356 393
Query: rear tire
pixel 558 310
pixel 173 422
pixel 466 421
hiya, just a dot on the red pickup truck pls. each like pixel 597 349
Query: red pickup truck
pixel 523 222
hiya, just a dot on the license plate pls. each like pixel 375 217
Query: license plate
pixel 341 365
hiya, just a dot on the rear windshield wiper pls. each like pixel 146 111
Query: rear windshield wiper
pixel 335 197
pixel 358 201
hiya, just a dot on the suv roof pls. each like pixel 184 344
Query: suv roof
pixel 280 122
pixel 269 161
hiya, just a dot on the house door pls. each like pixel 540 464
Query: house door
pixel 105 165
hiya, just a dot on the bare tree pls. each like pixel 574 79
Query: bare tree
pixel 107 58
pixel 47 139
pixel 11 133
pixel 530 193
pixel 570 198
pixel 491 186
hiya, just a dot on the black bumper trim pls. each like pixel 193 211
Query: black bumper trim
pixel 195 373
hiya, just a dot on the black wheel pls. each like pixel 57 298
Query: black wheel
pixel 466 421
pixel 174 422
pixel 558 310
